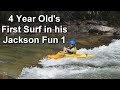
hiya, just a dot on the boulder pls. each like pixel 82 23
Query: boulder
pixel 99 29
pixel 92 27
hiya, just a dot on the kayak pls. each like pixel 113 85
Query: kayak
pixel 61 54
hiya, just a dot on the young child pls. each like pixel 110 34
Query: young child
pixel 71 50
pixel 72 47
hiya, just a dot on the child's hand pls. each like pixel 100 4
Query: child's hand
pixel 65 49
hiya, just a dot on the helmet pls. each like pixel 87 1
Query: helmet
pixel 72 42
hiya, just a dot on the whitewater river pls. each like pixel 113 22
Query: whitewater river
pixel 105 65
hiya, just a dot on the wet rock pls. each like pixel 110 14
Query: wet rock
pixel 92 27
pixel 93 41
pixel 94 22
pixel 91 22
pixel 100 30
pixel 117 32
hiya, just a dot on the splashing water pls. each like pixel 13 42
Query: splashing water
pixel 105 65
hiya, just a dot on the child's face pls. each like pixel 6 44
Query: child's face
pixel 71 45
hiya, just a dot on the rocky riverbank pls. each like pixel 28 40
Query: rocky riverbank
pixel 91 33
pixel 93 27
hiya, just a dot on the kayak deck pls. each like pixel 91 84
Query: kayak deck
pixel 79 55
pixel 61 54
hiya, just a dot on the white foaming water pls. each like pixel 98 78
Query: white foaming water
pixel 105 64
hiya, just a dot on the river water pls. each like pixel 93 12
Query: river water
pixel 105 65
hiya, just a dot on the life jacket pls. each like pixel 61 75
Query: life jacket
pixel 73 49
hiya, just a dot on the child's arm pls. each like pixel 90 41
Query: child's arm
pixel 68 50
